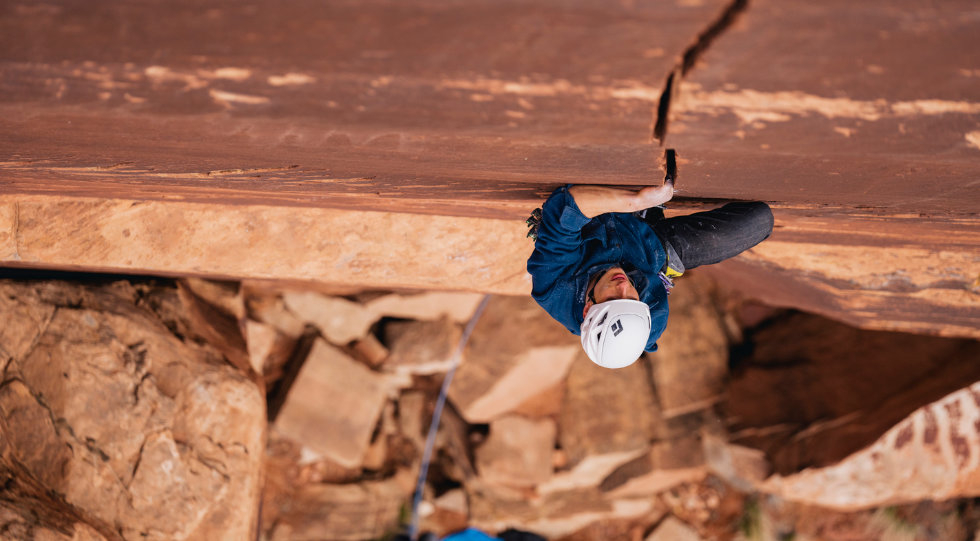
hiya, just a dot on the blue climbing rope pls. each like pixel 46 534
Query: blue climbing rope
pixel 437 414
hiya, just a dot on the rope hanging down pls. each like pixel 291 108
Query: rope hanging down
pixel 437 414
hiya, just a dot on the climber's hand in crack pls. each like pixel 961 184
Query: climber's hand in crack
pixel 594 200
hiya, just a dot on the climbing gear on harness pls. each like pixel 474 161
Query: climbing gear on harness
pixel 533 223
pixel 674 267
pixel 615 333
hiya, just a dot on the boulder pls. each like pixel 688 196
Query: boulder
pixel 388 444
pixel 421 347
pixel 369 350
pixel 333 406
pixel 376 454
pixel 667 464
pixel 24 317
pixel 411 417
pixel 339 320
pixel 17 527
pixel 446 514
pixel 282 473
pixel 742 467
pixel 710 506
pixel 210 323
pixel 516 353
pixel 270 308
pixel 606 411
pixel 458 307
pixel 631 528
pixel 350 512
pixel 517 452
pixel 560 514
pixel 268 349
pixel 691 362
pixel 672 529
pixel 181 457
pixel 588 473
pixel 547 403
pixel 226 297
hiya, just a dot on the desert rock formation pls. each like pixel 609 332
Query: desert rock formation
pixel 308 200
pixel 398 145
pixel 122 420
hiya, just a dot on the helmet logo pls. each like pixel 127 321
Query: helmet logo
pixel 616 328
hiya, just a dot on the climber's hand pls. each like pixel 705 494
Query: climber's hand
pixel 655 195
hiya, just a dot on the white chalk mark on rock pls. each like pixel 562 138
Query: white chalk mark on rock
pixel 974 139
pixel 290 79
pixel 234 74
pixel 228 98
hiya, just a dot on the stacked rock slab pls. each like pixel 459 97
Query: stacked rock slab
pixel 374 160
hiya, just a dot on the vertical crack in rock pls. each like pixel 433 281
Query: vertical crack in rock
pixel 663 109
pixel 688 60
pixel 16 256
pixel 276 396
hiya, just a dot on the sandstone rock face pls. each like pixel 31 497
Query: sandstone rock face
pixel 450 514
pixel 497 374
pixel 563 514
pixel 370 351
pixel 218 325
pixel 518 452
pixel 606 411
pixel 268 349
pixel 569 450
pixel 667 464
pixel 333 406
pixel 590 472
pixel 812 391
pixel 422 347
pixel 691 362
pixel 932 454
pixel 407 169
pixel 179 457
pixel 426 306
pixel 672 529
pixel 16 526
pixel 343 512
pixel 340 320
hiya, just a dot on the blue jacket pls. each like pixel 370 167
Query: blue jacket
pixel 571 247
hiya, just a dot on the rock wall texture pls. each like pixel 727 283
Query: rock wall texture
pixel 316 156
pixel 931 454
pixel 425 131
pixel 111 420
pixel 137 409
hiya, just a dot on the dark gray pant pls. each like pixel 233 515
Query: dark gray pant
pixel 715 235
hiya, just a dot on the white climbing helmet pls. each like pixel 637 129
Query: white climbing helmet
pixel 615 332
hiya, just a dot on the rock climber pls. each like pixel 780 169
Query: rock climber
pixel 605 258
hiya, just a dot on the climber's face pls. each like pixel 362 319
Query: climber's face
pixel 613 284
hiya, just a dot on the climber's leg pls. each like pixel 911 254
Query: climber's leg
pixel 711 236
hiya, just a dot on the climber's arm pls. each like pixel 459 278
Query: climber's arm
pixel 594 200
